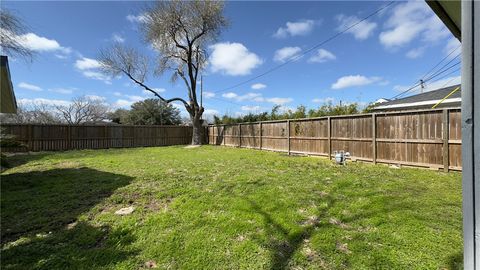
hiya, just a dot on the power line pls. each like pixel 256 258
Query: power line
pixel 228 101
pixel 309 50
pixel 423 80
pixel 436 75
pixel 426 80
pixel 449 81
pixel 443 59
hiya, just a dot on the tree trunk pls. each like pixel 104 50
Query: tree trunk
pixel 197 137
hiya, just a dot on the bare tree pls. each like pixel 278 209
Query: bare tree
pixel 11 28
pixel 83 109
pixel 38 113
pixel 180 31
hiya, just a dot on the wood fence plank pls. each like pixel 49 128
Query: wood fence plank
pixel 414 138
pixel 445 125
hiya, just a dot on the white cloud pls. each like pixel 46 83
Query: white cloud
pixel 87 63
pixel 122 103
pixel 431 86
pixel 415 52
pixel 251 108
pixel 298 28
pixel 43 101
pixel 354 80
pixel 127 100
pixel 29 86
pixel 321 56
pixel 258 86
pixel 158 90
pixel 278 100
pixel 96 98
pixel 136 18
pixel 118 38
pixel 61 56
pixel 97 76
pixel 249 96
pixel 89 68
pixel 209 112
pixel 233 59
pixel 229 95
pixel 256 97
pixel 207 94
pixel 323 100
pixel 41 44
pixel 178 105
pixel 61 90
pixel 286 54
pixel 409 21
pixel 134 98
pixel 361 31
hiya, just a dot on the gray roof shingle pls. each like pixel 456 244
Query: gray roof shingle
pixel 430 95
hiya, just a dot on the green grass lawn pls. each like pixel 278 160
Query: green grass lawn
pixel 224 208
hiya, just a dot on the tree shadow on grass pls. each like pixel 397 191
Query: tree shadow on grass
pixel 283 249
pixel 283 242
pixel 39 212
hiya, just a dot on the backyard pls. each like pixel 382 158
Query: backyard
pixel 224 208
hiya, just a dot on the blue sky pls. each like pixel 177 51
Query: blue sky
pixel 378 58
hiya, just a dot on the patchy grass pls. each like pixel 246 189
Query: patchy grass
pixel 224 208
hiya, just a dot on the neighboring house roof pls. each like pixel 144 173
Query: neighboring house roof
pixel 381 100
pixel 424 100
pixel 8 103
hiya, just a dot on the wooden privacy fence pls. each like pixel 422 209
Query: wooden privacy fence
pixel 427 138
pixel 66 137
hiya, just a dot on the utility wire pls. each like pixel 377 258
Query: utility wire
pixel 443 59
pixel 293 59
pixel 443 71
pixel 227 101
pixel 423 80
pixel 439 72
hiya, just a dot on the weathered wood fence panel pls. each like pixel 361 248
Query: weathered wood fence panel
pixel 427 138
pixel 66 137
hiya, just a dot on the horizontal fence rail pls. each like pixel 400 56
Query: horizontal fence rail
pixel 424 138
pixel 67 137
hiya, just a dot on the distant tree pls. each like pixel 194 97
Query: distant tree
pixel 369 108
pixel 83 109
pixel 11 28
pixel 274 113
pixel 152 112
pixel 300 112
pixel 118 116
pixel 38 113
pixel 330 109
pixel 180 31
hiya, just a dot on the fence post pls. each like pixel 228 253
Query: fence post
pixel 288 134
pixel 329 139
pixel 261 132
pixel 445 140
pixel 240 135
pixel 374 138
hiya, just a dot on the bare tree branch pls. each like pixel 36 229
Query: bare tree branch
pixel 11 29
pixel 83 109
